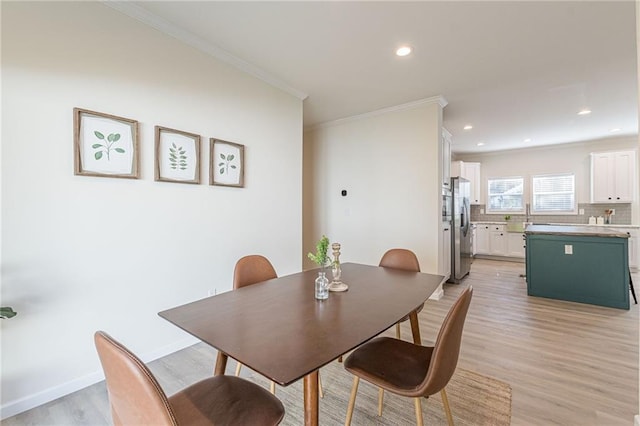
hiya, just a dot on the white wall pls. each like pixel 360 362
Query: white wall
pixel 389 165
pixel 84 253
pixel 563 158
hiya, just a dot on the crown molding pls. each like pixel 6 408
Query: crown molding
pixel 440 100
pixel 136 12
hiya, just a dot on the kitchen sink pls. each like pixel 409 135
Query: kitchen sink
pixel 515 227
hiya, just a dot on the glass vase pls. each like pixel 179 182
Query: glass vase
pixel 322 286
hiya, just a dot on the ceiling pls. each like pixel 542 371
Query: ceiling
pixel 517 71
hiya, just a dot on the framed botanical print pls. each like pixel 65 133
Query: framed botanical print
pixel 104 145
pixel 177 156
pixel 226 163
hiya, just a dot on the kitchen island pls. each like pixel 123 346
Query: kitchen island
pixel 586 264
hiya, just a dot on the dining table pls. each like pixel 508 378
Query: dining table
pixel 280 330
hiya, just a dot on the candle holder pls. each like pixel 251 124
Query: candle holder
pixel 336 284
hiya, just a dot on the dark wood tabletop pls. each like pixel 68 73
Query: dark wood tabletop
pixel 280 330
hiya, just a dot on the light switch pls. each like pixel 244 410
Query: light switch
pixel 581 211
pixel 568 249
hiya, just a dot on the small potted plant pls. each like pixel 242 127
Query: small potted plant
pixel 321 258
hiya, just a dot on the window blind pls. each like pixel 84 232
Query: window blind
pixel 554 193
pixel 506 194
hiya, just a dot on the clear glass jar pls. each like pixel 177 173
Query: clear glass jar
pixel 322 286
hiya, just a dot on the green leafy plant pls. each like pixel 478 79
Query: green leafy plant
pixel 507 217
pixel 226 163
pixel 106 145
pixel 7 312
pixel 321 257
pixel 177 157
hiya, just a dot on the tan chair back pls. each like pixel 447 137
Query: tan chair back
pixel 447 347
pixel 400 259
pixel 136 397
pixel 252 269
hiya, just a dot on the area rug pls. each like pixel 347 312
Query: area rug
pixel 474 399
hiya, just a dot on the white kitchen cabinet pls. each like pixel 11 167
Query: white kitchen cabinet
pixel 471 172
pixel 497 240
pixel 482 239
pixel 633 233
pixel 446 251
pixel 613 176
pixel 474 240
pixel 633 249
pixel 515 244
pixel 446 158
pixel 494 239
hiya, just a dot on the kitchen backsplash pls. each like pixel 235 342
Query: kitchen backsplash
pixel 622 216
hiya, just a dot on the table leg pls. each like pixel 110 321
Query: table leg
pixel 311 399
pixel 415 329
pixel 221 364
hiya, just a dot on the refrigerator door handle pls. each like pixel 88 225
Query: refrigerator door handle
pixel 464 217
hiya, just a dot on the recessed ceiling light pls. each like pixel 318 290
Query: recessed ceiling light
pixel 527 140
pixel 617 129
pixel 468 127
pixel 403 51
pixel 585 111
pixel 480 144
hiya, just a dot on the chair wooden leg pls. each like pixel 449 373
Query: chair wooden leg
pixel 238 367
pixel 352 400
pixel 447 409
pixel 419 421
pixel 398 331
pixel 320 386
pixel 380 399
pixel 272 387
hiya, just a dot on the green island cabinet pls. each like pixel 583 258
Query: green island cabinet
pixel 579 264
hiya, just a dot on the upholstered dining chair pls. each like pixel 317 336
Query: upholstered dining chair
pixel 250 270
pixel 411 370
pixel 136 397
pixel 401 259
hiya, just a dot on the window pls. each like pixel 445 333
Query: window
pixel 554 194
pixel 505 194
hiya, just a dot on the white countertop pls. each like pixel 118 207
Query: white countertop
pixel 613 225
pixel 584 231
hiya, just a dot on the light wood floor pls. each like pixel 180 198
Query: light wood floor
pixel 568 363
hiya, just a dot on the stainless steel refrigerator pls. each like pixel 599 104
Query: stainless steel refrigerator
pixel 461 256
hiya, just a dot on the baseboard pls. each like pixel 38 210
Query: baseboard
pixel 438 294
pixel 21 405
pixel 503 258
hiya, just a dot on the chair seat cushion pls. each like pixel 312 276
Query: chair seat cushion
pixel 392 364
pixel 226 400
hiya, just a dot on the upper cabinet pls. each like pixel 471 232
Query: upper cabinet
pixel 446 159
pixel 471 172
pixel 613 176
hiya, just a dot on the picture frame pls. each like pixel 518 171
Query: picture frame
pixel 105 145
pixel 226 163
pixel 177 156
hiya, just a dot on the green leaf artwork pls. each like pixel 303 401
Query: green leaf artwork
pixel 7 312
pixel 106 146
pixel 226 164
pixel 177 157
